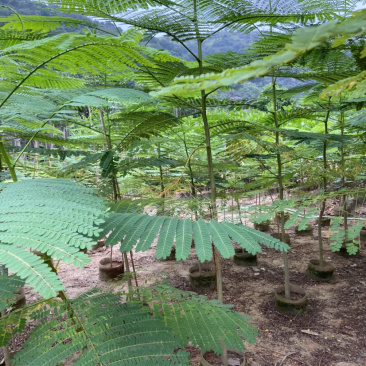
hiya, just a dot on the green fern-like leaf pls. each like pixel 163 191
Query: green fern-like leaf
pixel 56 217
pixel 31 268
pixel 13 323
pixel 8 285
pixel 220 239
pixel 103 97
pixel 122 229
pixel 202 240
pixel 127 205
pixel 11 37
pixel 41 23
pixel 83 163
pixel 150 233
pixel 141 231
pixel 337 236
pixel 302 41
pixel 136 231
pixel 107 163
pixel 124 334
pixel 242 237
pixel 293 219
pixel 183 239
pixel 204 323
pixel 166 239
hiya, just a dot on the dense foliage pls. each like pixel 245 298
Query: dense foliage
pixel 205 101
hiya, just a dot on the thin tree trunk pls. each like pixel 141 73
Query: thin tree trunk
pixel 127 270
pixel 322 208
pixel 210 170
pixel 133 268
pixel 280 188
pixel 115 187
pixel 193 186
pixel 343 180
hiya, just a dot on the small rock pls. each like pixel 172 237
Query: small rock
pixel 255 269
pixel 233 362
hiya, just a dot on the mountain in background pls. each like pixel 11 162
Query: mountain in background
pixel 220 42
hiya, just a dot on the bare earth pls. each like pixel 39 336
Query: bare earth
pixel 335 326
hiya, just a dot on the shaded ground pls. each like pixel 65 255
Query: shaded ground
pixel 335 327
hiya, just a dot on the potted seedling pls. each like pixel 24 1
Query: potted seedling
pixel 319 269
pixel 244 259
pixel 110 268
pixel 202 276
pixel 290 299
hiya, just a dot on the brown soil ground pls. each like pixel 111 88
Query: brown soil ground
pixel 332 332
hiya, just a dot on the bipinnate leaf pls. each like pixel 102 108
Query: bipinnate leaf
pixel 124 334
pixel 202 240
pixel 32 269
pixel 166 239
pixel 13 323
pixel 303 40
pixel 293 219
pixel 134 234
pixel 150 233
pixel 303 223
pixel 140 231
pixel 203 323
pixel 8 285
pixel 266 240
pixel 221 239
pixel 53 216
pixel 337 234
pixel 122 229
pixel 183 239
pixel 103 97
pixel 242 237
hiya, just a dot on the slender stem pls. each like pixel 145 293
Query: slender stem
pixel 109 145
pixel 193 186
pixel 162 188
pixel 280 188
pixel 6 158
pixel 323 202
pixel 133 268
pixel 343 180
pixel 127 270
pixel 209 155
